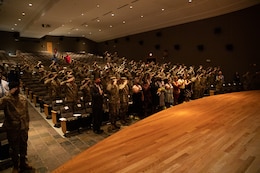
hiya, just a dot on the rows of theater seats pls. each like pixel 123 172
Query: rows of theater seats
pixel 68 117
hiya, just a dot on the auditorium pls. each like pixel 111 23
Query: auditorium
pixel 131 86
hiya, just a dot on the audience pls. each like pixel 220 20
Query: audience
pixel 149 86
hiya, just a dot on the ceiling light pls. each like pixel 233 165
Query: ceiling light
pixel 12 29
pixel 82 14
pixel 142 16
pixel 15 24
pixel 19 19
pixel 112 14
pixel 90 33
pixel 110 26
pixel 98 5
pixel 190 1
pixel 98 20
pixel 131 7
pixel 30 5
pixel 83 35
pixel 162 9
pixel 77 29
pixel 86 25
pixel 123 22
pixel 99 30
pixel 23 13
pixel 62 25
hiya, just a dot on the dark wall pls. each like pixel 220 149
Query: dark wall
pixel 11 41
pixel 231 41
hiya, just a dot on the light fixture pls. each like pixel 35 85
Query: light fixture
pixel 112 14
pixel 30 4
pixel 190 1
pixel 163 9
pixel 98 5
pixel 23 13
pixel 19 19
pixel 131 7
pixel 86 25
pixel 12 29
pixel 90 33
pixel 99 30
pixel 15 24
pixel 98 20
pixel 82 14
pixel 141 16
pixel 110 26
pixel 123 22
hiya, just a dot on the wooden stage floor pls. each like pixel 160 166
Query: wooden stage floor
pixel 215 134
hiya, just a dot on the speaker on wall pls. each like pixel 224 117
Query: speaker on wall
pixel 177 47
pixel 200 47
pixel 157 47
pixel 229 47
pixel 127 38
pixel 217 30
pixel 159 34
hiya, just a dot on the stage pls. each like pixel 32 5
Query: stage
pixel 214 134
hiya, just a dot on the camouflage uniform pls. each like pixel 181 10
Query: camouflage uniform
pixel 124 100
pixel 114 102
pixel 16 124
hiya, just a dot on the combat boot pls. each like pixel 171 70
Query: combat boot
pixel 24 165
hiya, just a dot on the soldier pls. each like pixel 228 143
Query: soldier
pixel 124 100
pixel 71 91
pixel 97 105
pixel 16 124
pixel 114 102
pixel 86 90
pixel 219 82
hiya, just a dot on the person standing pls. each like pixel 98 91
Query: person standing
pixel 124 100
pixel 219 82
pixel 16 125
pixel 3 86
pixel 114 102
pixel 97 105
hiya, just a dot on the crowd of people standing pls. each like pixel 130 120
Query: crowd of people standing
pixel 121 87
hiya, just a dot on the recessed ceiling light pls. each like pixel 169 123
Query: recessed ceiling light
pixel 30 4
pixel 163 9
pixel 131 7
pixel 123 22
pixel 19 19
pixel 12 29
pixel 110 26
pixel 98 20
pixel 83 35
pixel 23 13
pixel 90 33
pixel 142 16
pixel 62 25
pixel 112 14
pixel 15 24
pixel 190 1
pixel 82 14
pixel 77 29
pixel 86 25
pixel 99 30
pixel 98 5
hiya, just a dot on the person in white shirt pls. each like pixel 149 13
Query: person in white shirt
pixel 4 89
